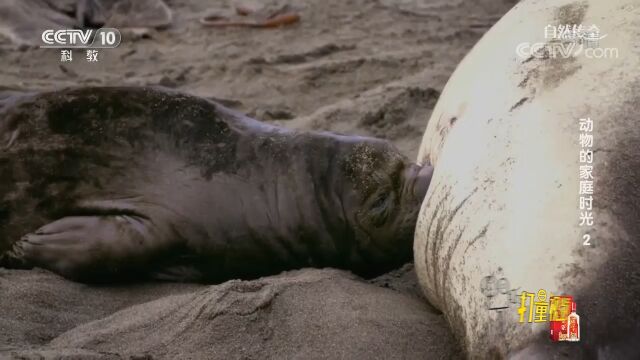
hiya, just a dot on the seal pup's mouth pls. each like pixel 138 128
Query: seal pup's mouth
pixel 420 180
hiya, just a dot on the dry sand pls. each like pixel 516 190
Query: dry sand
pixel 305 314
pixel 353 66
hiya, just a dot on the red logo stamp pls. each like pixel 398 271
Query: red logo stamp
pixel 564 324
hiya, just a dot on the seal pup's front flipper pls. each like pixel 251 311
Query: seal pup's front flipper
pixel 98 245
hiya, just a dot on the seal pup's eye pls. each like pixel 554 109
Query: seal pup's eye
pixel 380 207
pixel 380 201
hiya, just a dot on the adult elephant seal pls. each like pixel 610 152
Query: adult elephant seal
pixel 111 184
pixel 502 215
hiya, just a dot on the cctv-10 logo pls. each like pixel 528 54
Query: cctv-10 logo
pixel 75 38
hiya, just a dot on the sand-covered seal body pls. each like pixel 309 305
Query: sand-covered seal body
pixel 505 203
pixel 104 184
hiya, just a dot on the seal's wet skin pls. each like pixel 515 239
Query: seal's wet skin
pixel 114 184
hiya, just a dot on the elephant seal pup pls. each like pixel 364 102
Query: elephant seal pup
pixel 539 206
pixel 114 184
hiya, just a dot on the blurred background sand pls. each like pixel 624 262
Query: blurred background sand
pixel 368 67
